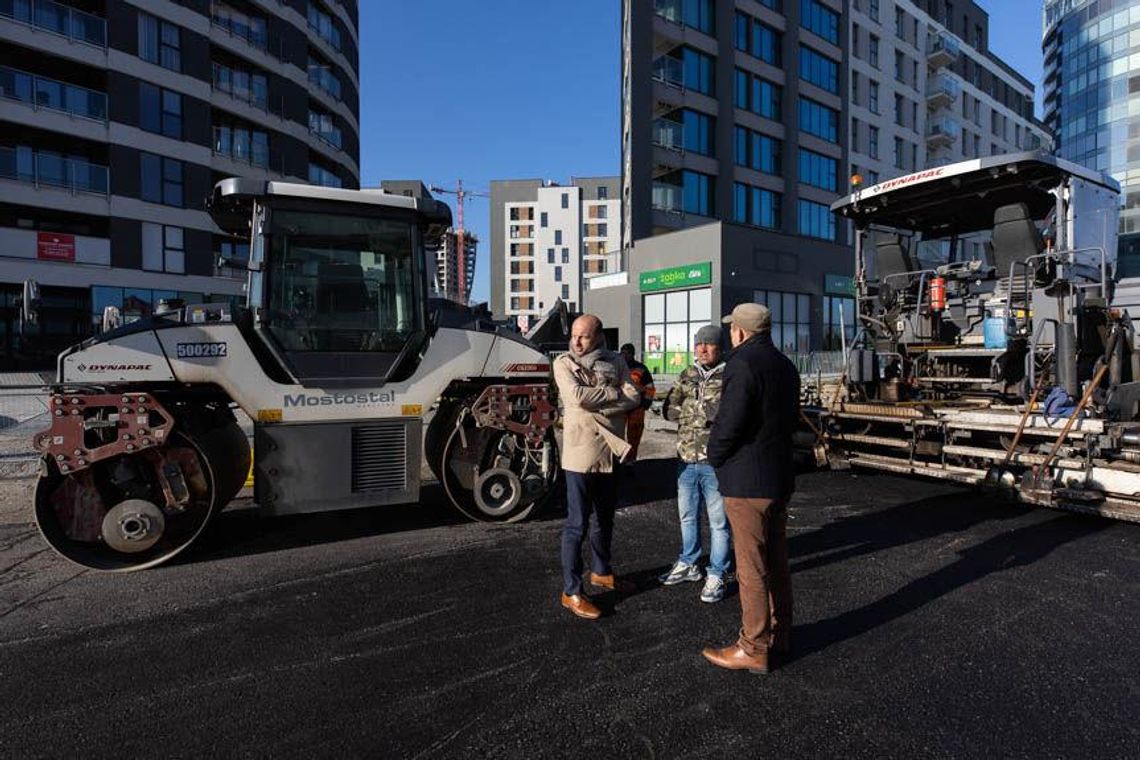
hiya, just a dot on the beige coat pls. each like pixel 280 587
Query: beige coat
pixel 595 402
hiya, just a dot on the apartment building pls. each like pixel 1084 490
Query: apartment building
pixel 1092 81
pixel 455 266
pixel 118 118
pixel 926 90
pixel 547 239
pixel 733 123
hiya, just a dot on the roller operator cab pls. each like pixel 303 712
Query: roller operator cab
pixel 350 379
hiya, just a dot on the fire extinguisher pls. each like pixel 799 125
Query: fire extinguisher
pixel 937 294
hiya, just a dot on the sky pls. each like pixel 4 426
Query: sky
pixel 513 89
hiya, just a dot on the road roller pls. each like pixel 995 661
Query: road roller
pixel 350 374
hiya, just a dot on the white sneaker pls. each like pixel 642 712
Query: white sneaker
pixel 681 573
pixel 713 590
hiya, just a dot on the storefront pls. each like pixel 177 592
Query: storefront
pixel 675 303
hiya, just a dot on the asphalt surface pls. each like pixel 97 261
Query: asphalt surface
pixel 930 622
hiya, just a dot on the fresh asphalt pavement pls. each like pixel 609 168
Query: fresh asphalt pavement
pixel 930 622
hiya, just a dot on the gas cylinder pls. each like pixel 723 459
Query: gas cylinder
pixel 937 294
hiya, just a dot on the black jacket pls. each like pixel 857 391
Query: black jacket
pixel 750 443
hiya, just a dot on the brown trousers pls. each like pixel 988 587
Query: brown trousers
pixel 634 429
pixel 760 540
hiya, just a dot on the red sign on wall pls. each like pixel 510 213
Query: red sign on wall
pixel 52 246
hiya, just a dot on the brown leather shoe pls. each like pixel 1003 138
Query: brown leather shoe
pixel 734 658
pixel 581 606
pixel 611 583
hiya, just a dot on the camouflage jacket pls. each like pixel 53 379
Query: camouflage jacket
pixel 693 402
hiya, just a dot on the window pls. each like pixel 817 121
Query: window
pixel 873 51
pixel 873 9
pixel 160 42
pixel 820 20
pixel 818 170
pixel 758 95
pixel 755 206
pixel 819 120
pixel 322 75
pixel 319 175
pixel 549 255
pixel 819 70
pixel 542 219
pixel 696 193
pixel 815 220
pixel 900 66
pixel 565 292
pixel 855 136
pixel 565 255
pixel 758 39
pixel 323 125
pixel 855 87
pixel 697 71
pixel 322 23
pixel 243 85
pixel 603 192
pixel 699 14
pixel 250 146
pixel 161 180
pixel 873 142
pixel 899 108
pixel 899 152
pixel 558 235
pixel 900 23
pixel 671 320
pixel 160 111
pixel 565 201
pixel 162 248
pixel 558 274
pixel 757 151
pixel 697 133
pixel 873 97
pixel 599 212
pixel 791 319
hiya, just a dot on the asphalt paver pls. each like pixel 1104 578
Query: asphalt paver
pixel 931 621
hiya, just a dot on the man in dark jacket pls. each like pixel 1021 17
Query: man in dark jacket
pixel 750 445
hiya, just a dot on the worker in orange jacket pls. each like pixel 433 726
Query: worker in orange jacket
pixel 635 420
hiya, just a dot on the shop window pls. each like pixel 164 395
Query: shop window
pixel 791 319
pixel 671 321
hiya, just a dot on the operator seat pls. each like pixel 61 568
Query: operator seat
pixel 343 318
pixel 891 256
pixel 1015 236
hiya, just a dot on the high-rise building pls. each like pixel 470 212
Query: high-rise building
pixel 118 118
pixel 1092 99
pixel 734 124
pixel 925 89
pixel 455 267
pixel 547 239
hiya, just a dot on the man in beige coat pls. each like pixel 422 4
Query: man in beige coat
pixel 596 394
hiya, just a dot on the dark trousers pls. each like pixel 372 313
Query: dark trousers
pixel 760 539
pixel 587 493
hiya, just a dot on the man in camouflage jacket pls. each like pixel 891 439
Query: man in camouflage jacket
pixel 693 402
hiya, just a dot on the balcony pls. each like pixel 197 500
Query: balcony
pixel 666 198
pixel 942 132
pixel 251 29
pixel 321 76
pixel 242 145
pixel 670 10
pixel 49 170
pixel 942 91
pixel 942 49
pixel 669 134
pixel 48 16
pixel 670 71
pixel 52 95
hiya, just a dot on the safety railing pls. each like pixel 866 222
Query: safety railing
pixel 52 94
pixel 48 170
pixel 49 16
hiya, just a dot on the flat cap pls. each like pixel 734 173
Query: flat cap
pixel 709 334
pixel 752 317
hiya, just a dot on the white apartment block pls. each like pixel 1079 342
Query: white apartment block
pixel 926 91
pixel 546 239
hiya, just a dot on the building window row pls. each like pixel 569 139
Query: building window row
pixel 820 20
pixel 815 220
pixel 319 175
pixel 160 111
pixel 248 27
pixel 321 22
pixel 791 319
pixel 249 146
pixel 819 70
pixel 758 39
pixel 756 206
pixel 819 120
pixel 52 94
pixel 24 163
pixel 818 170
pixel 758 95
pixel 697 14
pixel 246 86
pixel 757 151
pixel 160 42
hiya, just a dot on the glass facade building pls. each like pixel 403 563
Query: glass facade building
pixel 1092 99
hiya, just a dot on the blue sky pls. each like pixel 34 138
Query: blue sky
pixel 507 89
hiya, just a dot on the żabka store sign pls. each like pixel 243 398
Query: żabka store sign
pixel 52 246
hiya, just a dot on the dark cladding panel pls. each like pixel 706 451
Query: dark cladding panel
pixel 123 28
pixel 123 98
pixel 126 243
pixel 198 185
pixel 199 252
pixel 125 178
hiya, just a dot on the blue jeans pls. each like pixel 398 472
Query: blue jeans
pixel 696 483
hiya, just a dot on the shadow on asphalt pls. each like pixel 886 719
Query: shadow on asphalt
pixel 917 521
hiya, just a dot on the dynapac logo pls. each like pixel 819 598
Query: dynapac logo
pixel 113 367
pixel 907 180
pixel 372 398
